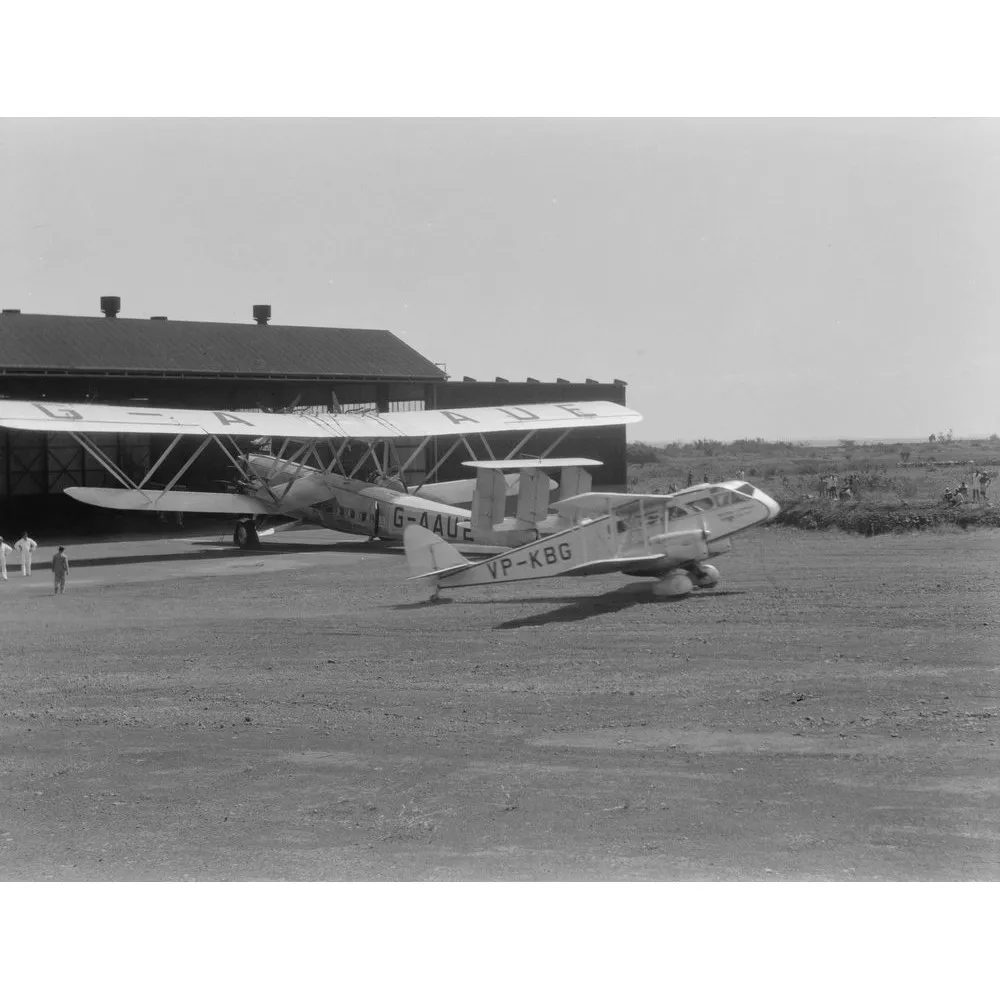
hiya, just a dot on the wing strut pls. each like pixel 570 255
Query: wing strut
pixel 437 465
pixel 294 460
pixel 520 444
pixel 486 445
pixel 558 441
pixel 109 466
pixel 420 447
pixel 335 463
pixel 364 458
pixel 166 451
pixel 187 465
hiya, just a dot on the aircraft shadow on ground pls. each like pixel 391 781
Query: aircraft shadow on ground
pixel 208 551
pixel 574 608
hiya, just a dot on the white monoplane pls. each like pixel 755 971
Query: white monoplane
pixel 303 486
pixel 665 536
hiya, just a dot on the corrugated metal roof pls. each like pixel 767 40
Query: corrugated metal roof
pixel 142 346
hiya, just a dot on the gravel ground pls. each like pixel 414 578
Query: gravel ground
pixel 185 711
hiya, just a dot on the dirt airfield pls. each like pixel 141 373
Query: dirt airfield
pixel 185 711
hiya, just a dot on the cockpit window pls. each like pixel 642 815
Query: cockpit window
pixel 703 503
pixel 676 512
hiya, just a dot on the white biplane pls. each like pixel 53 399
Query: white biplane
pixel 669 537
pixel 303 486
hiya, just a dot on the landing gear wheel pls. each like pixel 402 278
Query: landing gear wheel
pixel 706 575
pixel 245 535
pixel 676 583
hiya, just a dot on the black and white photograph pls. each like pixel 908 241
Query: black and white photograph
pixel 526 492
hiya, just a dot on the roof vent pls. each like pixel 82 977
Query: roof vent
pixel 563 381
pixel 111 305
pixel 262 314
pixel 619 381
pixel 157 317
pixel 468 378
pixel 12 312
pixel 592 381
pixel 530 379
pixel 499 379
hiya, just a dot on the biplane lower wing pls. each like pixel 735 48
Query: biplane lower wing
pixel 182 501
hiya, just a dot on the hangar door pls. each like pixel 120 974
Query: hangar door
pixel 32 464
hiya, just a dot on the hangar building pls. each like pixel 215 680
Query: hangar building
pixel 231 366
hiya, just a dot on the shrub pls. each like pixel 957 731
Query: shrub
pixel 866 518
pixel 639 453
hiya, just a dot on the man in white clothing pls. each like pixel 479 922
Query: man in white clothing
pixel 5 550
pixel 25 547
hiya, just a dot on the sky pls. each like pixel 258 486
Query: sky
pixel 788 278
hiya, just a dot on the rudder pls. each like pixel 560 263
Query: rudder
pixel 428 554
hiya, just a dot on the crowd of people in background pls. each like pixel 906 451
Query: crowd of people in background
pixel 980 480
pixel 25 548
pixel 834 490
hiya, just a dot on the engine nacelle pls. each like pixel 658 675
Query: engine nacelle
pixel 683 546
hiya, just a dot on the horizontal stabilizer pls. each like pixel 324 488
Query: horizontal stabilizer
pixel 429 554
pixel 459 491
pixel 183 501
pixel 534 463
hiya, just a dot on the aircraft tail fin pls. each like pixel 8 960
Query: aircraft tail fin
pixel 489 499
pixel 575 480
pixel 428 554
pixel 533 497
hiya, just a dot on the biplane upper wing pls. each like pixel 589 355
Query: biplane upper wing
pixel 95 418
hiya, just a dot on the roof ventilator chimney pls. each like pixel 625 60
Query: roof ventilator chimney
pixel 111 305
pixel 12 312
pixel 262 314
pixel 157 317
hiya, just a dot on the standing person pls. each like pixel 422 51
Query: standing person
pixel 25 546
pixel 5 550
pixel 60 567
